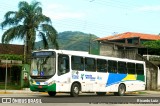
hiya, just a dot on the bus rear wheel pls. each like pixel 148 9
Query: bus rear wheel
pixel 101 93
pixel 121 90
pixel 75 89
pixel 51 93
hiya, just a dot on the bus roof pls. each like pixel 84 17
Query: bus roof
pixel 86 54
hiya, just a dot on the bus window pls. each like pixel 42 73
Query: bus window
pixel 77 63
pixel 102 65
pixel 112 66
pixel 90 64
pixel 122 67
pixel 131 68
pixel 139 69
pixel 63 64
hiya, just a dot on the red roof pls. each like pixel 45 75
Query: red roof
pixel 11 49
pixel 131 35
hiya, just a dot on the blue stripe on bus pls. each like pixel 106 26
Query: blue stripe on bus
pixel 114 78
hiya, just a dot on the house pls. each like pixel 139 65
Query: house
pixel 129 45
pixel 130 42
pixel 11 49
pixel 130 38
pixel 11 57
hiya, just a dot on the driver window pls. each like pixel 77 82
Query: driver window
pixel 63 64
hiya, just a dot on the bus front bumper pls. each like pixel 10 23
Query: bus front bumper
pixel 43 88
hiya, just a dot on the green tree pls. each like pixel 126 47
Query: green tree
pixel 27 23
pixel 153 47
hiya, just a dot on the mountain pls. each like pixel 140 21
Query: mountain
pixel 74 40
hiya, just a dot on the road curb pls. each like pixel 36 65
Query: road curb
pixel 27 91
pixel 17 92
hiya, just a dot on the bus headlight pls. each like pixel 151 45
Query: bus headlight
pixel 52 82
pixel 32 82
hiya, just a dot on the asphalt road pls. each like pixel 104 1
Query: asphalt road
pixel 91 99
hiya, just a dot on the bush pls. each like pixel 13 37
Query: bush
pixel 11 57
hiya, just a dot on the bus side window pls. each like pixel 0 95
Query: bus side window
pixel 102 65
pixel 63 64
pixel 90 64
pixel 77 63
pixel 112 66
pixel 139 69
pixel 122 67
pixel 131 68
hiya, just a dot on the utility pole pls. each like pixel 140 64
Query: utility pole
pixel 89 43
pixel 6 76
pixel 25 49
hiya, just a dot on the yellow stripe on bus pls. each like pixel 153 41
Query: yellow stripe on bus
pixel 130 77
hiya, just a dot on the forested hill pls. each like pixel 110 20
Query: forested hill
pixel 74 40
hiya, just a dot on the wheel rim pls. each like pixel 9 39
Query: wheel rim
pixel 76 90
pixel 121 89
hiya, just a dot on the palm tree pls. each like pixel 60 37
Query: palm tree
pixel 27 23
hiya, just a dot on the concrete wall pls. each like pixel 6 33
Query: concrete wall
pixel 158 78
pixel 151 73
pixel 108 50
pixel 155 59
pixel 129 54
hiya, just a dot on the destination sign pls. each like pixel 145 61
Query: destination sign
pixel 43 54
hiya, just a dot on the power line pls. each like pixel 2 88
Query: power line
pixel 112 4
pixel 86 25
pixel 129 5
pixel 116 3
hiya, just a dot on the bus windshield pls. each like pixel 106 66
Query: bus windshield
pixel 43 64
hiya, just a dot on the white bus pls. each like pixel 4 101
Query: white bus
pixel 55 71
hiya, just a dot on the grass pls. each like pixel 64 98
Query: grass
pixel 10 87
pixel 142 92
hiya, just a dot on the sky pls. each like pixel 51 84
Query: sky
pixel 99 17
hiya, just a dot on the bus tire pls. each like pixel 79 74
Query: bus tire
pixel 121 89
pixel 51 93
pixel 101 93
pixel 75 89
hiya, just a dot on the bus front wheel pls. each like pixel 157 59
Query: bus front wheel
pixel 51 93
pixel 75 90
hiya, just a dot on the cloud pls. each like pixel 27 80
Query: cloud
pixel 53 6
pixel 149 8
pixel 66 15
pixel 60 12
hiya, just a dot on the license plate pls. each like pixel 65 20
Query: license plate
pixel 40 86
